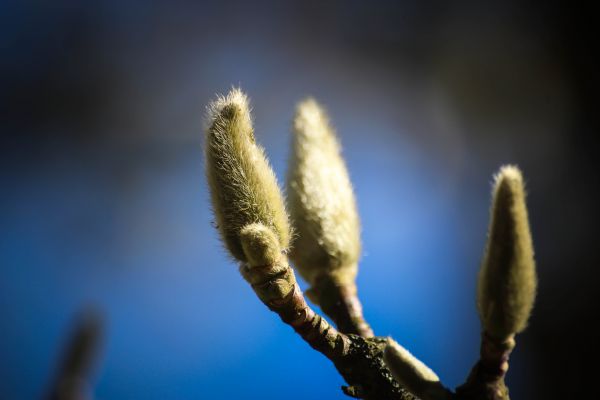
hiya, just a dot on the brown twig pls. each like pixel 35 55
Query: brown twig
pixel 486 380
pixel 341 303
pixel 359 360
pixel 277 288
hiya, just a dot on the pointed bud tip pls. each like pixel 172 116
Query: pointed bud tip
pixel 229 105
pixel 311 119
pixel 510 178
pixel 509 171
pixel 308 106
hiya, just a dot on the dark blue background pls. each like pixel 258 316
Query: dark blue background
pixel 104 201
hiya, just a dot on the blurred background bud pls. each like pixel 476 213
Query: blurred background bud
pixel 321 200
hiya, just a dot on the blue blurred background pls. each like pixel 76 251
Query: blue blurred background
pixel 104 201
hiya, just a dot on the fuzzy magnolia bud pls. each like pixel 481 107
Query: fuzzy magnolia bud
pixel 412 374
pixel 321 201
pixel 507 280
pixel 243 186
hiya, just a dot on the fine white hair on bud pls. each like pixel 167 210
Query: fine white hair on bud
pixel 412 374
pixel 507 279
pixel 321 200
pixel 243 186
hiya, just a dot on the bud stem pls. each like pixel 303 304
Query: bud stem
pixel 341 303
pixel 486 380
pixel 277 288
pixel 359 360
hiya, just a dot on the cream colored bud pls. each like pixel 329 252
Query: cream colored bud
pixel 412 374
pixel 321 200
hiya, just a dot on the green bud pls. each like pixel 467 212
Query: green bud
pixel 266 268
pixel 412 374
pixel 243 186
pixel 260 245
pixel 321 201
pixel 507 279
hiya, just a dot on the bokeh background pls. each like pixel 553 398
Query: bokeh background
pixel 104 201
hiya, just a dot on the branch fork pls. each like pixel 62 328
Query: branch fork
pixel 325 247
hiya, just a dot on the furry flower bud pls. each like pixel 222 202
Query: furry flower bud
pixel 243 186
pixel 507 279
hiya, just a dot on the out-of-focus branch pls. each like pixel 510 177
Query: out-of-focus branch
pixel 73 379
